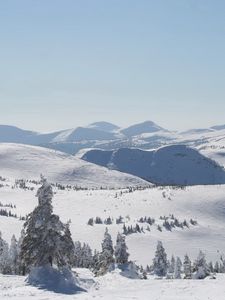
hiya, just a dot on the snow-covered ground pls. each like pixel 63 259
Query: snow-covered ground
pixel 115 287
pixel 206 204
pixel 25 161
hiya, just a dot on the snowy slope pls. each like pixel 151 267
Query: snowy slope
pixel 23 161
pixel 176 164
pixel 203 203
pixel 115 287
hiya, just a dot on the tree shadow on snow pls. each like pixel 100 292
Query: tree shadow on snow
pixel 59 281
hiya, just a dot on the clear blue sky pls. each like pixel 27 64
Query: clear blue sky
pixel 65 63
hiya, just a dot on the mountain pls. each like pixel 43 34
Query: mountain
pixel 83 134
pixel 218 127
pixel 14 134
pixel 104 126
pixel 24 161
pixel 145 127
pixel 107 136
pixel 169 165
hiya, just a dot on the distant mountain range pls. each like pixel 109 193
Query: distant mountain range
pixel 107 136
pixel 146 150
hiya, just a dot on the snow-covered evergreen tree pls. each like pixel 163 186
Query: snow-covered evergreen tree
pixel 177 269
pixel 216 268
pixel 201 269
pixel 4 257
pixel 86 258
pixel 160 260
pixel 106 258
pixel 171 266
pixel 77 254
pixel 47 240
pixel 121 254
pixel 13 255
pixel 187 267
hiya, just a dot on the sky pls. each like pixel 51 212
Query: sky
pixel 65 63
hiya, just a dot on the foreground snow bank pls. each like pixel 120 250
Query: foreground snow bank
pixel 59 281
pixel 113 286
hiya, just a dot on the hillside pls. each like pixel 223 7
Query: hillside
pixel 171 165
pixel 23 161
pixel 205 204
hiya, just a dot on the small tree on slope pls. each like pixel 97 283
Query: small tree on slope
pixel 4 257
pixel 47 240
pixel 187 267
pixel 105 258
pixel 201 268
pixel 160 260
pixel 13 255
pixel 121 254
pixel 177 269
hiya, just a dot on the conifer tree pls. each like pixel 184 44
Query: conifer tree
pixel 4 257
pixel 201 268
pixel 160 260
pixel 106 258
pixel 121 254
pixel 177 270
pixel 13 255
pixel 171 265
pixel 47 240
pixel 187 267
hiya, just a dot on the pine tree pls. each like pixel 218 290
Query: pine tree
pixel 47 240
pixel 171 266
pixel 201 268
pixel 106 259
pixel 4 257
pixel 187 267
pixel 177 270
pixel 211 267
pixel 160 260
pixel 13 255
pixel 216 267
pixel 77 254
pixel 121 254
pixel 86 256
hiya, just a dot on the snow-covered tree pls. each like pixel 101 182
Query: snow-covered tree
pixel 77 254
pixel 160 260
pixel 187 267
pixel 216 268
pixel 86 258
pixel 105 259
pixel 47 240
pixel 177 269
pixel 171 264
pixel 4 257
pixel 201 269
pixel 13 255
pixel 211 267
pixel 121 254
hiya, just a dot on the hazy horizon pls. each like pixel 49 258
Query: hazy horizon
pixel 114 123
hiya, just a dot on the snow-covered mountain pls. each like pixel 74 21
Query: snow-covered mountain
pixel 108 136
pixel 104 126
pixel 176 165
pixel 25 161
pixel 145 127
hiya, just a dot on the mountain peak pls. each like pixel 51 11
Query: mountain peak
pixel 103 126
pixel 140 128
